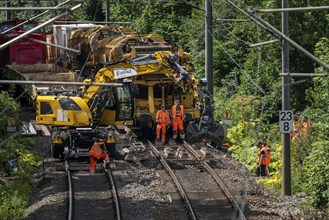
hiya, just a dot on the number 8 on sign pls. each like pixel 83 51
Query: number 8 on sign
pixel 286 123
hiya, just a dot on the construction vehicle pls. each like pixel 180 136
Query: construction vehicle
pixel 94 111
pixel 147 72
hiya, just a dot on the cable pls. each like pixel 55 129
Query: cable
pixel 225 27
pixel 230 32
pixel 96 10
pixel 241 69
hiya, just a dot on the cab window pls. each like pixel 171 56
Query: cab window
pixel 29 26
pixel 68 104
pixel 110 104
pixel 45 108
pixel 125 105
pixel 5 27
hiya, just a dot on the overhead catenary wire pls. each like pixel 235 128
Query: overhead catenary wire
pixel 241 69
pixel 275 32
pixel 230 32
pixel 252 81
pixel 236 63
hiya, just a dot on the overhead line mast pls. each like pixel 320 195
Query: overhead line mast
pixel 283 36
pixel 286 163
pixel 208 45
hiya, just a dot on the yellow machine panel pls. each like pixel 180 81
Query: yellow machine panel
pixel 64 111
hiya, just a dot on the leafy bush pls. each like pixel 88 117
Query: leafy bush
pixel 13 200
pixel 316 174
pixel 14 197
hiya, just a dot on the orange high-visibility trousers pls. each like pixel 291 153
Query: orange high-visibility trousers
pixel 162 118
pixel 177 112
pixel 163 128
pixel 177 124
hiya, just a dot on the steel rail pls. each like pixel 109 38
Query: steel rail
pixel 115 194
pixel 217 180
pixel 175 179
pixel 69 177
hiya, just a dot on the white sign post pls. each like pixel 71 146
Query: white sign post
pixel 286 123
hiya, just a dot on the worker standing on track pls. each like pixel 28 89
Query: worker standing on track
pixel 97 152
pixel 267 149
pixel 162 120
pixel 177 114
pixel 261 162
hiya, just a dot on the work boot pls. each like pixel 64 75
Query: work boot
pixel 157 142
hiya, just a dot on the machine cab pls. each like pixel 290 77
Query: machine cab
pixel 62 111
pixel 119 108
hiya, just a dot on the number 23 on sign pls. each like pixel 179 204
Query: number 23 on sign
pixel 286 123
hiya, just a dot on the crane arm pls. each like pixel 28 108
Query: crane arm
pixel 165 62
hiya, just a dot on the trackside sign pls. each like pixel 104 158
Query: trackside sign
pixel 120 73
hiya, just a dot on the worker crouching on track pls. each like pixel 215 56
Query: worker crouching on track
pixel 177 113
pixel 97 152
pixel 163 121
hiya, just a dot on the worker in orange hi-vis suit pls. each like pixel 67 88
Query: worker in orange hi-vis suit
pixel 297 125
pixel 177 113
pixel 97 152
pixel 162 120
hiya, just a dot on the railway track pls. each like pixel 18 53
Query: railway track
pixel 89 196
pixel 204 194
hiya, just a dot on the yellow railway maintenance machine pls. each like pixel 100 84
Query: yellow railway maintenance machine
pixel 150 74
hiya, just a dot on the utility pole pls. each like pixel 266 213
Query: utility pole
pixel 286 181
pixel 8 14
pixel 208 45
pixel 107 11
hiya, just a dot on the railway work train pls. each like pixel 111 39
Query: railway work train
pixel 25 51
pixel 140 72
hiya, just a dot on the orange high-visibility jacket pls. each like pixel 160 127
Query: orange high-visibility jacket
pixel 265 156
pixel 306 125
pixel 179 113
pixel 268 155
pixel 162 116
pixel 96 150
